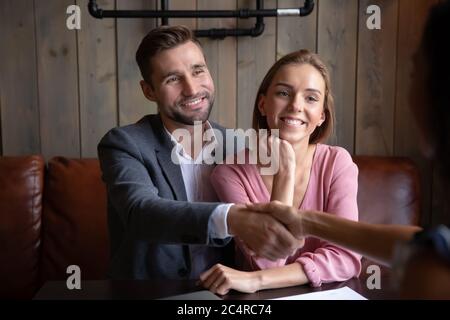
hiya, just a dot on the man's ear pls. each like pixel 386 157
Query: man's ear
pixel 147 90
pixel 262 104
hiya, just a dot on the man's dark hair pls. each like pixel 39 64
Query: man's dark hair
pixel 160 39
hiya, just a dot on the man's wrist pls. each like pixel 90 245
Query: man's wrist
pixel 232 219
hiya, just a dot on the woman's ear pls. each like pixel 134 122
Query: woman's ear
pixel 261 104
pixel 147 90
pixel 323 117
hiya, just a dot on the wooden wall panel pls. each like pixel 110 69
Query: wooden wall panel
pixel 337 46
pixel 19 119
pixel 221 57
pixel 376 80
pixel 98 77
pixel 132 103
pixel 255 56
pixel 412 17
pixel 57 80
pixel 183 5
pixel 295 33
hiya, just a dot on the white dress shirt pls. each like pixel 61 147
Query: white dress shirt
pixel 198 186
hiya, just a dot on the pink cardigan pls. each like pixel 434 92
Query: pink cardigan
pixel 332 188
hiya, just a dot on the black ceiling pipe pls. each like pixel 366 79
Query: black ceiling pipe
pixel 97 12
pixel 257 30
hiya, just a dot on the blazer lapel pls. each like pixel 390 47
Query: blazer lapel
pixel 172 172
pixel 163 150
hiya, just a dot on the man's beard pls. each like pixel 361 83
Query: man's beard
pixel 180 117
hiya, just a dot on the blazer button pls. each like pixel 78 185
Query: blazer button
pixel 182 272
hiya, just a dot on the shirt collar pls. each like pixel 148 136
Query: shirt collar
pixel 212 143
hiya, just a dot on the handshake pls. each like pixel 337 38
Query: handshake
pixel 271 230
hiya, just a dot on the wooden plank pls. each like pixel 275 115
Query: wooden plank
pixel 132 103
pixel 255 57
pixel 412 17
pixel 97 74
pixel 57 80
pixel 337 46
pixel 19 120
pixel 221 57
pixel 183 5
pixel 375 100
pixel 295 33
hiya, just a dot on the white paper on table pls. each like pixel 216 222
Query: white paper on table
pixel 344 293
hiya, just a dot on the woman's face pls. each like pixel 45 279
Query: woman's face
pixel 294 102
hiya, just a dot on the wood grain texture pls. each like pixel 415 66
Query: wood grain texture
pixel 98 77
pixel 295 33
pixel 130 32
pixel 375 100
pixel 19 119
pixel 337 46
pixel 183 5
pixel 255 57
pixel 221 57
pixel 57 80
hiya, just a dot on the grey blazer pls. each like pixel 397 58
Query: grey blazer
pixel 154 232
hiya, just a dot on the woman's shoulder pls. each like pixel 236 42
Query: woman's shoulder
pixel 236 164
pixel 333 153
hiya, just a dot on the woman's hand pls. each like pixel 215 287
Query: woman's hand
pixel 221 279
pixel 283 152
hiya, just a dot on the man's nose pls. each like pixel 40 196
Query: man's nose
pixel 190 87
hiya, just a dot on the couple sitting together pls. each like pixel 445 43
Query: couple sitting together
pixel 172 220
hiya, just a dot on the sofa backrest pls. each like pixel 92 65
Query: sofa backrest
pixel 73 226
pixel 21 194
pixel 388 190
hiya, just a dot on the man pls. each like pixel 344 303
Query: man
pixel 157 229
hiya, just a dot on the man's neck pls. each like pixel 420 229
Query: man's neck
pixel 195 133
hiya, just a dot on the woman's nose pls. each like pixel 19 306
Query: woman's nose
pixel 296 105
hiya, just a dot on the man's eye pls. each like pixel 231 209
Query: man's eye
pixel 198 71
pixel 172 79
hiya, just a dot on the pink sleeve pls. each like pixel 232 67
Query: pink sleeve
pixel 330 263
pixel 230 187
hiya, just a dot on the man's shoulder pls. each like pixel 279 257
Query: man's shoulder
pixel 141 136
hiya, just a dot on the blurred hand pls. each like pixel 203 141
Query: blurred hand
pixel 287 215
pixel 221 279
pixel 262 233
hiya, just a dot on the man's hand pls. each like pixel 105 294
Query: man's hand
pixel 262 233
pixel 287 215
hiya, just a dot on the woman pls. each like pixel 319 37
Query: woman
pixel 422 259
pixel 296 99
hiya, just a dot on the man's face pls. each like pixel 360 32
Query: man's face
pixel 181 85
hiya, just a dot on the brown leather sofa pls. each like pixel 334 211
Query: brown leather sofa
pixel 54 215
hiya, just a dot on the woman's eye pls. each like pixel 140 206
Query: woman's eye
pixel 311 99
pixel 282 93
